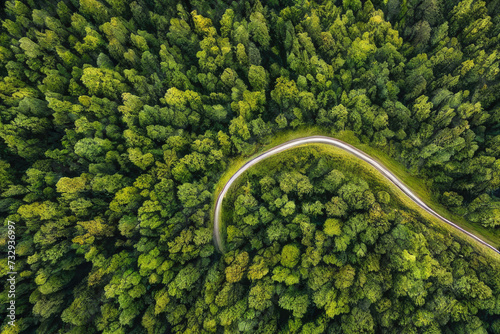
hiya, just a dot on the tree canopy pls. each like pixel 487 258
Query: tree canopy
pixel 119 118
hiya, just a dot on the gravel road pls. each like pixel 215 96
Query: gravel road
pixel 346 147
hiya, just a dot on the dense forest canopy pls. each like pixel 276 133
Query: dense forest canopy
pixel 312 233
pixel 117 120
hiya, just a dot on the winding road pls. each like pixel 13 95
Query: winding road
pixel 344 146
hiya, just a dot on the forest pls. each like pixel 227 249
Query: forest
pixel 118 119
pixel 312 234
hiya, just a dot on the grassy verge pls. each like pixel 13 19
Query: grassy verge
pixel 417 185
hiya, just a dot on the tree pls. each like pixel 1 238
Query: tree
pixel 290 256
pixel 421 34
pixel 359 321
pixel 239 128
pixel 344 278
pixel 259 297
pixel 95 10
pixel 191 195
pixel 452 199
pixel 383 197
pixel 142 161
pixel 354 5
pixel 93 149
pixel 356 195
pixel 285 92
pixel 227 23
pixel 361 50
pixel 288 209
pixel 258 29
pixel 184 280
pixel 336 207
pixel 313 209
pixel 103 82
pixel 421 108
pixel 234 272
pixel 245 204
pixel 258 77
pixel 332 227
pixel 294 301
pixel 115 29
pixel 78 313
pixel 333 180
pixel 31 49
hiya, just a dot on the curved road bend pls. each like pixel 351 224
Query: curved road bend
pixel 346 147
